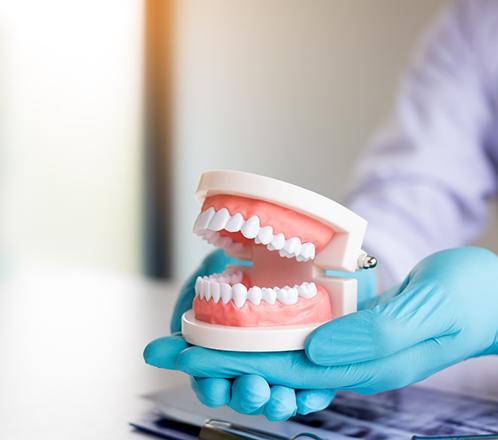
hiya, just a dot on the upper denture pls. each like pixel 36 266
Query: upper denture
pixel 243 219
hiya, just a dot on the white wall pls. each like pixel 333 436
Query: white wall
pixel 287 88
pixel 70 115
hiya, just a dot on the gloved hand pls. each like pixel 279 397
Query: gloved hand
pixel 444 312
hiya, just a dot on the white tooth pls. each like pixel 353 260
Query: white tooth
pixel 292 295
pixel 277 242
pixel 196 228
pixel 312 251
pixel 312 288
pixel 265 235
pixel 254 295
pixel 203 220
pixel 308 251
pixel 269 295
pixel 304 291
pixel 200 289
pixel 215 291
pixel 239 293
pixel 293 246
pixel 235 223
pixel 226 293
pixel 219 220
pixel 251 227
pixel 307 290
pixel 287 295
pixel 300 258
pixel 197 288
pixel 281 294
pixel 207 289
pixel 203 288
pixel 284 253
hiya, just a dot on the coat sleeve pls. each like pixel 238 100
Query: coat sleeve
pixel 424 183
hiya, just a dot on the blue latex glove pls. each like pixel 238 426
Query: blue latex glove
pixel 444 312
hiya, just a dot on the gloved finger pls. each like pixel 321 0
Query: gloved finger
pixel 408 366
pixel 294 370
pixel 288 368
pixel 282 404
pixel 407 319
pixel 309 401
pixel 383 298
pixel 249 394
pixel 163 352
pixel 212 392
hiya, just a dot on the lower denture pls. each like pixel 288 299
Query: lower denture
pixel 306 311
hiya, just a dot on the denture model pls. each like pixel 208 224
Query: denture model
pixel 291 235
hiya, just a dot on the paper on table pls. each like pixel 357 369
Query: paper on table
pixel 393 415
pixel 182 398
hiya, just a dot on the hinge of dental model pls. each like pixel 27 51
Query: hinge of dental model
pixel 366 261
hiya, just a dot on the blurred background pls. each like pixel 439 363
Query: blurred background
pixel 109 112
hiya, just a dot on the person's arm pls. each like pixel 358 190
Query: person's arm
pixel 424 183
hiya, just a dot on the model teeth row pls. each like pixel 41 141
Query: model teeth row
pixel 210 222
pixel 219 288
pixel 221 241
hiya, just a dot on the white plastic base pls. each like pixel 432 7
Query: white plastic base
pixel 221 337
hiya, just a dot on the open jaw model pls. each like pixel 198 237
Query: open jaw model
pixel 292 236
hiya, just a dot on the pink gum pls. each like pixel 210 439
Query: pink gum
pixel 287 221
pixel 305 311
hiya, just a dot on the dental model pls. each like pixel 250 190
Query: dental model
pixel 292 235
